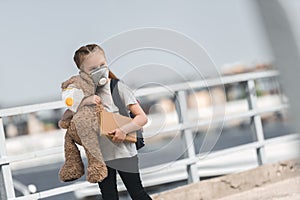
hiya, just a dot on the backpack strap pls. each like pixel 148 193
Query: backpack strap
pixel 114 89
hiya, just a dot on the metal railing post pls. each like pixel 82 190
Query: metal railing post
pixel 187 135
pixel 6 182
pixel 256 120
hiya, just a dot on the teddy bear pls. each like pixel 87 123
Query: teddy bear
pixel 82 129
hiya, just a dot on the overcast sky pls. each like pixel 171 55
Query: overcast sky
pixel 38 38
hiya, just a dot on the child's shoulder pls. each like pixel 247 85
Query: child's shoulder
pixel 118 82
pixel 124 88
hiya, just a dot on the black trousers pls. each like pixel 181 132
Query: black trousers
pixel 131 180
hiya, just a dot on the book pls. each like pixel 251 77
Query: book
pixel 110 121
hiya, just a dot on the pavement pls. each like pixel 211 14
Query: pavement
pixel 277 181
pixel 283 190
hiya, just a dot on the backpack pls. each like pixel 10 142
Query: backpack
pixel 124 111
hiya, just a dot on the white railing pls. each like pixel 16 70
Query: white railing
pixel 6 181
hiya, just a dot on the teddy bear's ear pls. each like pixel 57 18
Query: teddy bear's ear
pixel 65 84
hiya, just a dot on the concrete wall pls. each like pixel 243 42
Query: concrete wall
pixel 234 183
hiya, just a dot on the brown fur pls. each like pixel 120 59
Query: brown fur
pixel 82 128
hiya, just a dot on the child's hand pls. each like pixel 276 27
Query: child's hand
pixel 118 135
pixel 93 99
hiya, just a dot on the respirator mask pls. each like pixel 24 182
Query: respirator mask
pixel 100 75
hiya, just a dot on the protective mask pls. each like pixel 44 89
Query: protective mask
pixel 100 75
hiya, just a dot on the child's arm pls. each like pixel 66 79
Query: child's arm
pixel 137 123
pixel 139 120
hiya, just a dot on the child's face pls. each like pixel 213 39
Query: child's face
pixel 92 61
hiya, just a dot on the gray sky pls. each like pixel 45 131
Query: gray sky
pixel 38 38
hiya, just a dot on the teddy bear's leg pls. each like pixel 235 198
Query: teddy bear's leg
pixel 73 167
pixel 96 170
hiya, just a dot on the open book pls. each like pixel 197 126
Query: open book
pixel 110 121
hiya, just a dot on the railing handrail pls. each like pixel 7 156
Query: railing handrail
pixel 210 82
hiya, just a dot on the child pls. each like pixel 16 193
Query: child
pixel 118 155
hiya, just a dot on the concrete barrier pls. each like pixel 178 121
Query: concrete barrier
pixel 234 183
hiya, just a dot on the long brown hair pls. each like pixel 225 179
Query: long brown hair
pixel 84 51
